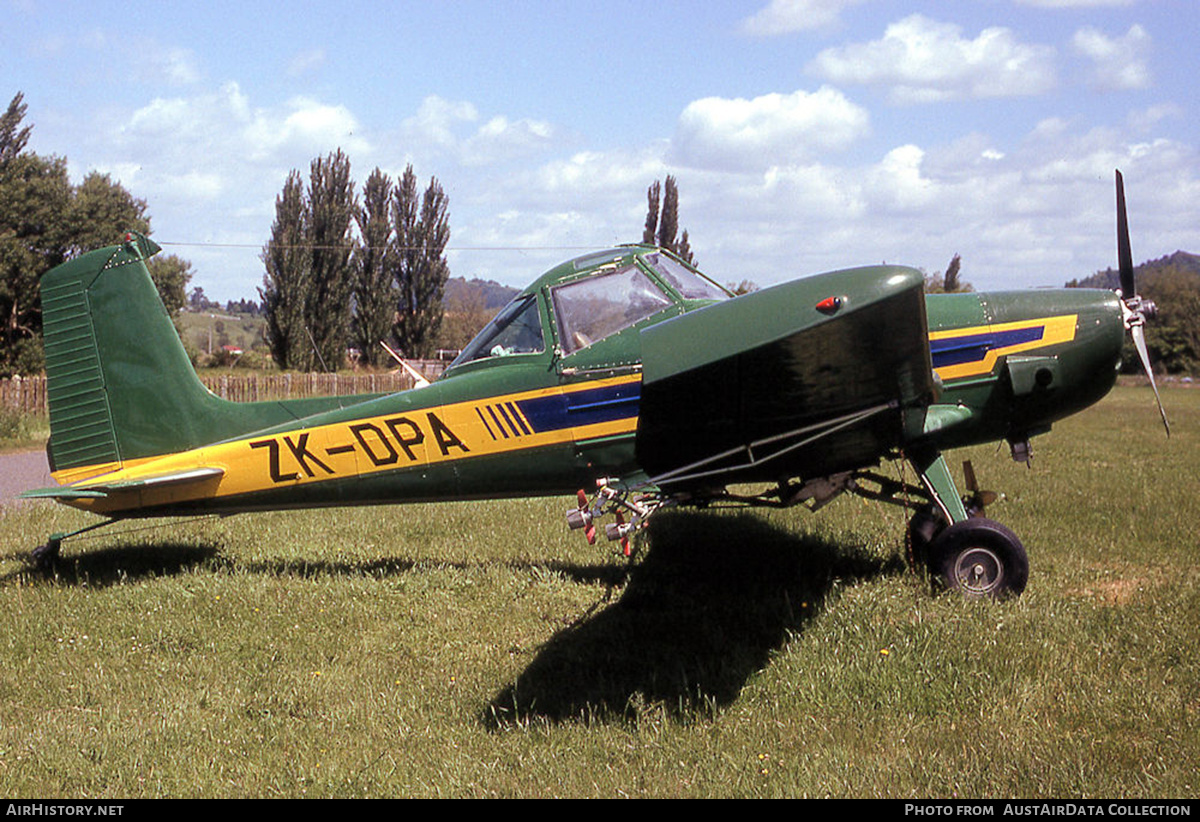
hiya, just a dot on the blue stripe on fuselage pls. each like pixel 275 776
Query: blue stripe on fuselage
pixel 579 408
pixel 974 347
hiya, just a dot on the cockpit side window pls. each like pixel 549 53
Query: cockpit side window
pixel 689 284
pixel 517 329
pixel 591 309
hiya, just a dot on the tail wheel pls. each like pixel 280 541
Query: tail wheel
pixel 980 559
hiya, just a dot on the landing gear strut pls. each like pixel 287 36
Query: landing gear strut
pixel 45 557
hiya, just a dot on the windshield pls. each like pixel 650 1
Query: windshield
pixel 591 309
pixel 517 329
pixel 689 284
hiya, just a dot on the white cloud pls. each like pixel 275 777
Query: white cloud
pixel 177 66
pixel 200 149
pixel 1118 62
pixel 921 61
pixel 763 194
pixel 502 140
pixel 774 129
pixel 324 127
pixel 451 129
pixel 789 16
pixel 306 62
pixel 437 121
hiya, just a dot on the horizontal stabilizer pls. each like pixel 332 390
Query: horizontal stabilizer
pixel 101 490
pixel 63 492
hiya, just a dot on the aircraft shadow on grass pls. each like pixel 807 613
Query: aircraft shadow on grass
pixel 711 600
pixel 124 563
pixel 120 563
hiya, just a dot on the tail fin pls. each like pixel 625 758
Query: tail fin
pixel 120 384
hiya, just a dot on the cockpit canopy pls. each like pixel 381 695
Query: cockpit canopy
pixel 589 299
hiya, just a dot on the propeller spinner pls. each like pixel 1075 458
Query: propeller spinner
pixel 1134 309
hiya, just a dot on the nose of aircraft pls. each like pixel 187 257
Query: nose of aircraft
pixel 1087 365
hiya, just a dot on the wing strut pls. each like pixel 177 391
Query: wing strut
pixel 824 428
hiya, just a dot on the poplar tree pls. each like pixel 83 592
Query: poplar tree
pixel 668 221
pixel 421 232
pixel 375 293
pixel 331 207
pixel 285 285
pixel 653 195
pixel 662 225
pixel 308 282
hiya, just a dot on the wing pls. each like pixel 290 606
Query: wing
pixel 805 379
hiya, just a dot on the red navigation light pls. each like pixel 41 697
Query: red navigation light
pixel 829 305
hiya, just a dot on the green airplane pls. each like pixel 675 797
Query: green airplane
pixel 625 371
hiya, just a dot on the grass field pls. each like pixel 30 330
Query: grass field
pixel 484 650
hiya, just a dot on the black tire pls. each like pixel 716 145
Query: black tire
pixel 45 557
pixel 980 559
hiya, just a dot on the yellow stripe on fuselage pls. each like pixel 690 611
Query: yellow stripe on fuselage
pixel 1055 330
pixel 408 438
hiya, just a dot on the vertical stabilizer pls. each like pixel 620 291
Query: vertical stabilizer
pixel 120 385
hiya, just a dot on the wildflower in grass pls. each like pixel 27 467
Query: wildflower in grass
pixel 884 652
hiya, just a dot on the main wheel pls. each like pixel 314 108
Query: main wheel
pixel 980 559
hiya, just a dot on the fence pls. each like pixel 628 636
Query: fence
pixel 28 394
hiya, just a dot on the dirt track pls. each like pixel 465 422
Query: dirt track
pixel 21 471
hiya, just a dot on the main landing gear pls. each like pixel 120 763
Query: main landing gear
pixel 948 534
pixel 973 555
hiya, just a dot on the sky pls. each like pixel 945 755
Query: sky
pixel 805 135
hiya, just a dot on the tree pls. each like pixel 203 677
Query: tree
pixel 35 195
pixel 331 207
pixel 662 226
pixel 45 221
pixel 171 275
pixel 1173 337
pixel 285 284
pixel 420 234
pixel 744 287
pixel 375 292
pixel 315 269
pixel 668 220
pixel 653 195
pixel 307 286
pixel 102 211
pixel 949 282
pixel 12 136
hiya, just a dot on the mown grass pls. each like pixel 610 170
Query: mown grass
pixel 485 650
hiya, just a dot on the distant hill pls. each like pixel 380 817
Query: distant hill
pixel 1146 272
pixel 1173 337
pixel 486 294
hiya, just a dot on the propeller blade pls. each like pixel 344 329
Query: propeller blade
pixel 1138 332
pixel 1124 254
